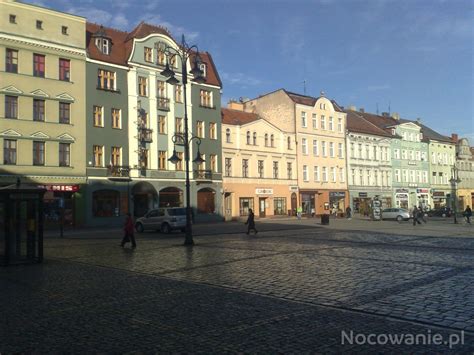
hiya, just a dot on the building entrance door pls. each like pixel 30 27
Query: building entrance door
pixel 293 204
pixel 261 208
pixel 228 206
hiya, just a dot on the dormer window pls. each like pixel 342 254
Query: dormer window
pixel 202 66
pixel 39 24
pixel 393 131
pixel 12 18
pixel 103 44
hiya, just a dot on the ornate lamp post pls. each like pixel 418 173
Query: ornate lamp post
pixel 185 53
pixel 455 180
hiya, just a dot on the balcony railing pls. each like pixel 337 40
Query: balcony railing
pixel 146 135
pixel 163 103
pixel 118 171
pixel 205 175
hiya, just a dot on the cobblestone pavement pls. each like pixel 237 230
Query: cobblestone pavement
pixel 285 290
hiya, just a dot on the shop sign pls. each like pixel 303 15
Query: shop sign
pixel 362 194
pixel 294 188
pixel 264 191
pixel 405 191
pixel 401 196
pixel 422 191
pixel 64 188
pixel 438 193
pixel 337 194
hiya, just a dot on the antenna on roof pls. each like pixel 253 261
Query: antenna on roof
pixel 304 86
pixel 377 104
pixel 389 102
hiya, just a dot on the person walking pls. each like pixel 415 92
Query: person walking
pixel 128 229
pixel 299 212
pixel 415 214
pixel 251 222
pixel 348 212
pixel 421 214
pixel 468 214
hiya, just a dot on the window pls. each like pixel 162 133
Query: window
pixel 11 61
pixel 142 86
pixel 206 98
pixel 38 65
pixel 103 45
pixel 352 150
pixel 323 149
pixel 279 206
pixel 272 141
pixel 64 30
pixel 106 80
pixel 331 124
pixel 339 150
pixel 64 154
pixel 106 203
pixel 213 131
pixel 397 175
pixel 173 62
pixel 325 174
pixel 396 153
pixel 405 175
pixel 260 169
pixel 9 152
pixel 375 153
pixel 39 24
pixel 316 173
pixel 367 152
pixel 200 129
pixel 202 66
pixel 369 178
pixel 248 138
pixel 98 155
pixel 64 112
pixel 405 136
pixel 38 110
pixel 179 165
pixel 353 175
pixel 178 125
pixel 303 119
pixel 331 149
pixel 339 125
pixel 361 177
pixel 315 121
pixel 360 151
pixel 425 176
pixel 266 139
pixel 228 167
pixel 254 138
pixel 323 122
pixel 98 116
pixel 161 89
pixel 148 55
pixel 12 18
pixel 200 166
pixel 213 159
pixel 412 155
pixel 115 158
pixel 333 174
pixel 64 69
pixel 404 154
pixel 245 168
pixel 315 147
pixel 161 124
pixel 304 146
pixel 412 176
pixel 162 160
pixel 161 54
pixel 116 118
pixel 289 170
pixel 275 170
pixel 246 203
pixel 288 139
pixel 227 135
pixel 305 173
pixel 178 93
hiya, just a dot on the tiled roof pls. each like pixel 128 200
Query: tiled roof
pixel 212 76
pixel 144 29
pixel 309 100
pixel 357 123
pixel 237 118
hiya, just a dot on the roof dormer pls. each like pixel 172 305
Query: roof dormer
pixel 102 41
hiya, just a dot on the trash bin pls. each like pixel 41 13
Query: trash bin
pixel 324 219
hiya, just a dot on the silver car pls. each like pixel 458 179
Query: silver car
pixel 399 214
pixel 164 220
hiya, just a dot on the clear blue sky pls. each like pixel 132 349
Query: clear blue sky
pixel 416 55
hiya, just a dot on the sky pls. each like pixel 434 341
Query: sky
pixel 414 57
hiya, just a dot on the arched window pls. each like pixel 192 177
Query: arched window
pixel 106 203
pixel 254 138
pixel 206 201
pixel 266 139
pixel 171 197
pixel 272 141
pixel 248 137
pixel 227 135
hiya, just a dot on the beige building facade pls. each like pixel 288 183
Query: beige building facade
pixel 258 166
pixel 42 102
pixel 319 126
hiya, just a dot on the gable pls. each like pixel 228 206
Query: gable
pixel 65 97
pixel 11 89
pixel 66 137
pixel 409 125
pixel 40 93
pixel 10 133
pixel 39 135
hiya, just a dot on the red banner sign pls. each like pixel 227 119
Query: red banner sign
pixel 64 188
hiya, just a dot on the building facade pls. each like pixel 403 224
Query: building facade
pixel 464 189
pixel 259 167
pixel 42 103
pixel 319 127
pixel 369 164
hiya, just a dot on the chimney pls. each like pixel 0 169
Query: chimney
pixel 418 120
pixel 352 108
pixel 385 114
pixel 396 115
pixel 234 105
pixel 454 137
pixel 361 110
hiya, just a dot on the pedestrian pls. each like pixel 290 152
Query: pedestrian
pixel 348 212
pixel 421 214
pixel 415 214
pixel 299 212
pixel 313 212
pixel 468 214
pixel 251 222
pixel 128 229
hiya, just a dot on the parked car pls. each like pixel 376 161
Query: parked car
pixel 440 212
pixel 400 214
pixel 164 220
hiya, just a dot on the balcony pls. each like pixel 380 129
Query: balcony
pixel 118 171
pixel 203 175
pixel 163 103
pixel 146 135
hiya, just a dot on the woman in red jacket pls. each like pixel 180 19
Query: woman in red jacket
pixel 128 229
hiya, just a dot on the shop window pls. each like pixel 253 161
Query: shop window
pixel 246 203
pixel 279 204
pixel 105 203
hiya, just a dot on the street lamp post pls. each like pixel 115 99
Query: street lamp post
pixel 454 181
pixel 185 53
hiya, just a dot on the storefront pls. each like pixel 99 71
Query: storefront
pixel 337 202
pixel 60 205
pixel 362 201
pixel 423 198
pixel 308 201
pixel 402 198
pixel 439 198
